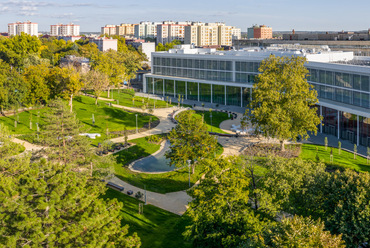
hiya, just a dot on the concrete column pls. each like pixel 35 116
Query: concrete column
pixel 211 93
pixel 225 95
pixel 358 130
pixel 163 86
pixel 320 120
pixel 186 90
pixel 241 96
pixel 174 89
pixel 338 124
pixel 145 90
pixel 198 93
pixel 233 70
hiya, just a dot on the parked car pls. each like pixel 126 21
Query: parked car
pixel 130 192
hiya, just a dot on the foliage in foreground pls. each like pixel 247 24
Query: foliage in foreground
pixel 51 205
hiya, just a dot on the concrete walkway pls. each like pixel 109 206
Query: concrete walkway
pixel 175 202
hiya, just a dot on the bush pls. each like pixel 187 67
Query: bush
pixel 154 139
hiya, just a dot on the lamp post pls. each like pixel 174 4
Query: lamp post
pixel 189 161
pixel 136 123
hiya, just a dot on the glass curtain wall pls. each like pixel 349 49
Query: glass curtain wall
pixel 365 131
pixel 149 85
pixel 218 94
pixel 330 121
pixel 192 89
pixel 233 95
pixel 158 86
pixel 205 92
pixel 180 88
pixel 169 87
pixel 246 97
pixel 348 127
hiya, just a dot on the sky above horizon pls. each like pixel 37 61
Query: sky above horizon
pixel 281 15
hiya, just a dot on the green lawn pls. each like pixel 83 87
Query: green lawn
pixel 125 99
pixel 105 117
pixel 342 160
pixel 217 118
pixel 162 183
pixel 156 227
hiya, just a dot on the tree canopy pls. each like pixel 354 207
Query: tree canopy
pixel 283 101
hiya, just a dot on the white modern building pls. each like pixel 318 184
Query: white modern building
pixel 341 79
pixel 65 30
pixel 236 33
pixel 109 29
pixel 28 27
pixel 104 44
pixel 146 47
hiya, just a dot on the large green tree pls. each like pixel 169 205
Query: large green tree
pixel 283 101
pixel 51 205
pixel 190 140
pixel 220 210
pixel 97 81
pixel 36 78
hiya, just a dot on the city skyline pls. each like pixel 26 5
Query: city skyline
pixel 280 15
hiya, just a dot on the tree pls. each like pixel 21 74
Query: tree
pixel 298 232
pixel 65 83
pixel 61 133
pixel 220 211
pixel 283 101
pixel 97 81
pixel 36 77
pixel 190 141
pixel 51 205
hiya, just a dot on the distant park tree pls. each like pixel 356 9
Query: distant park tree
pixel 47 204
pixel 98 82
pixel 190 140
pixel 283 101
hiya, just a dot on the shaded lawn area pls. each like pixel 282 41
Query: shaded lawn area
pixel 125 99
pixel 162 183
pixel 155 227
pixel 343 160
pixel 217 118
pixel 105 117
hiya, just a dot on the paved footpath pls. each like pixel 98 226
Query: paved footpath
pixel 27 145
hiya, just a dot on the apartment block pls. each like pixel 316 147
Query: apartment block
pixel 236 33
pixel 125 29
pixel 169 31
pixel 146 30
pixel 104 44
pixel 109 30
pixel 208 34
pixel 18 28
pixel 65 30
pixel 259 32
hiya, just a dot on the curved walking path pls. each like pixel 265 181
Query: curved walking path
pixel 27 145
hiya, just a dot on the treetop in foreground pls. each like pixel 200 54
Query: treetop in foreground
pixel 283 101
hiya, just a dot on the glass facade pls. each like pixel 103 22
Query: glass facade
pixel 233 95
pixel 180 88
pixel 205 94
pixel 158 86
pixel 169 87
pixel 218 94
pixel 192 91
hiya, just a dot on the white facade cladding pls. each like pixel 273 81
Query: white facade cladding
pixel 18 28
pixel 226 77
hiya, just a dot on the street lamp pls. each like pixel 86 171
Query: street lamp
pixel 189 161
pixel 136 123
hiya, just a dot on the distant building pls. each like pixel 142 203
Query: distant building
pixel 208 34
pixel 79 63
pixel 104 44
pixel 355 36
pixel 125 29
pixel 109 30
pixel 28 27
pixel 169 31
pixel 146 47
pixel 65 30
pixel 69 38
pixel 236 33
pixel 259 32
pixel 146 30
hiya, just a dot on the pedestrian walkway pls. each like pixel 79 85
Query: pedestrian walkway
pixel 175 202
pixel 28 146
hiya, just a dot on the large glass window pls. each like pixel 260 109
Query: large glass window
pixel 169 87
pixel 365 100
pixel 158 86
pixel 365 83
pixel 205 92
pixel 233 96
pixel 357 98
pixel 247 97
pixel 149 85
pixel 180 88
pixel 192 89
pixel 218 94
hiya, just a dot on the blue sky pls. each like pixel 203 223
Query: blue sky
pixel 281 15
